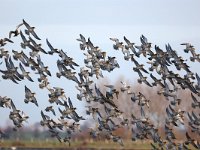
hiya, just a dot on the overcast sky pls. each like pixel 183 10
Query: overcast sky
pixel 62 21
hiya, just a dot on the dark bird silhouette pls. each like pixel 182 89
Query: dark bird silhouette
pixel 16 32
pixel 30 96
pixel 30 30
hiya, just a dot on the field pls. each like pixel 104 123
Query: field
pixel 100 145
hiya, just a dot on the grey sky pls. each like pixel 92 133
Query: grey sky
pixel 101 12
pixel 161 21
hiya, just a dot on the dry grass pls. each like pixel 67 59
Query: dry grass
pixel 76 144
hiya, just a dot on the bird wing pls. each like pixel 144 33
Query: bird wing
pixel 198 79
pixel 70 103
pixel 194 98
pixel 13 105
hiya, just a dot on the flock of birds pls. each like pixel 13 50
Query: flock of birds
pixel 109 117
